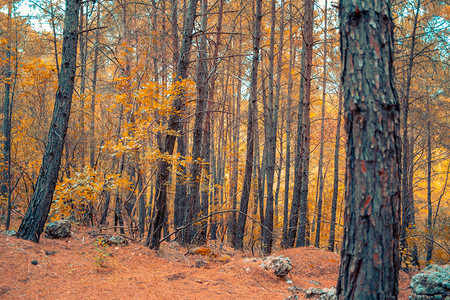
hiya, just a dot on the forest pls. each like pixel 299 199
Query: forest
pixel 201 120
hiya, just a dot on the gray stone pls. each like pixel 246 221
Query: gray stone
pixel 432 283
pixel 9 232
pixel 280 265
pixel 57 230
pixel 201 263
pixel 321 294
pixel 114 240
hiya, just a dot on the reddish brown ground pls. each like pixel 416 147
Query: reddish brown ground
pixel 135 272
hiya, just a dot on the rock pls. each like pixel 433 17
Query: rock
pixel 49 252
pixel 280 265
pixel 200 263
pixel 9 232
pixel 432 283
pixel 114 240
pixel 34 262
pixel 321 294
pixel 58 229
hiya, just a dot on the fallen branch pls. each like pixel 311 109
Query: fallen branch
pixel 210 215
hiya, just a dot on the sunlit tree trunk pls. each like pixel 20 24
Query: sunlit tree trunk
pixel 33 223
pixel 369 258
pixel 429 203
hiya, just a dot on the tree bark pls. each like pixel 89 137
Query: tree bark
pixel 336 176
pixel 407 204
pixel 288 132
pixel 320 177
pixel 239 240
pixel 194 210
pixel 369 258
pixel 303 232
pixel 5 185
pixel 174 125
pixel 33 223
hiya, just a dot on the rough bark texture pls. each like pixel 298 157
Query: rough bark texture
pixel 369 257
pixel 239 239
pixel 271 117
pixel 308 41
pixel 33 223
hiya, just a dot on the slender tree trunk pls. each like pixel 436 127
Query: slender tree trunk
pixel 369 258
pixel 33 223
pixel 94 91
pixel 174 125
pixel 270 142
pixel 83 60
pixel 303 228
pixel 335 177
pixel 207 130
pixel 5 185
pixel 320 176
pixel 429 206
pixel 239 240
pixel 288 132
pixel 407 204
pixel 295 205
pixel 202 94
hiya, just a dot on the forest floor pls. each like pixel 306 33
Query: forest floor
pixel 79 268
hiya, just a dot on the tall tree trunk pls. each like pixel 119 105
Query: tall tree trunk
pixel 429 206
pixel 94 91
pixel 270 142
pixel 197 140
pixel 335 176
pixel 295 205
pixel 154 235
pixel 33 223
pixel 5 185
pixel 369 258
pixel 320 177
pixel 83 60
pixel 407 204
pixel 239 240
pixel 288 132
pixel 303 228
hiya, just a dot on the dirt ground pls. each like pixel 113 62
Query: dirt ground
pixel 79 268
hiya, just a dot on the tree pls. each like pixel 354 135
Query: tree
pixel 154 234
pixel 369 258
pixel 239 239
pixel 33 223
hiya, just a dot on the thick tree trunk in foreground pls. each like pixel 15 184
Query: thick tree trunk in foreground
pixel 33 224
pixel 370 258
pixel 239 239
